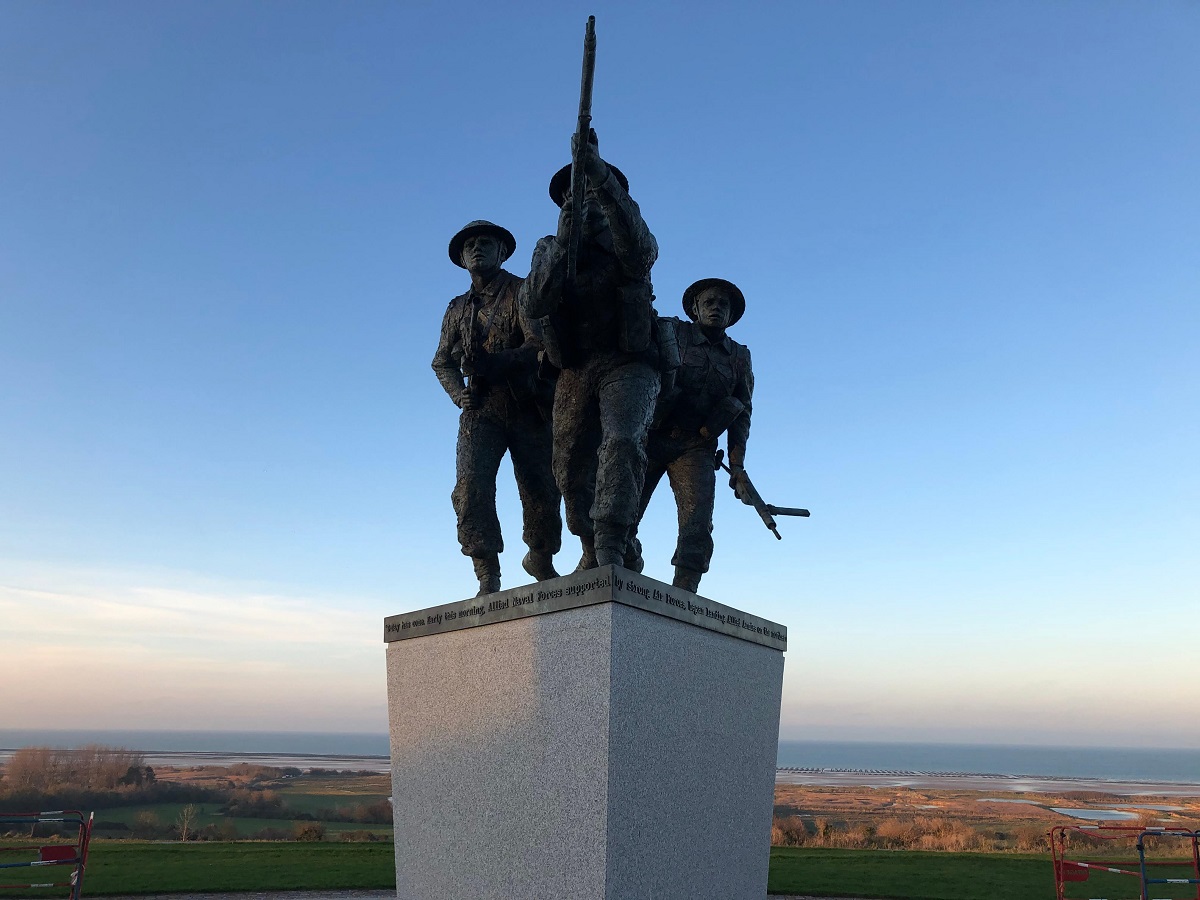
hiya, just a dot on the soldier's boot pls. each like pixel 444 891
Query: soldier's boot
pixel 588 559
pixel 688 579
pixel 633 556
pixel 539 564
pixel 487 570
pixel 610 545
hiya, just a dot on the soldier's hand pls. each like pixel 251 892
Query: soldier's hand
pixel 564 221
pixel 467 399
pixel 594 167
pixel 737 481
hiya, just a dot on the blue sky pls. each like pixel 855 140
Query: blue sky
pixel 967 234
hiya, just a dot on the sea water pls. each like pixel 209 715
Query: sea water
pixel 307 749
pixel 1108 763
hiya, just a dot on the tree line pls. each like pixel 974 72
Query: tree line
pixel 88 777
pixel 98 777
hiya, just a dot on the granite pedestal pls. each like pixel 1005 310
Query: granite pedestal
pixel 600 736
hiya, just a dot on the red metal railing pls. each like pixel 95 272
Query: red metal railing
pixel 1074 870
pixel 72 853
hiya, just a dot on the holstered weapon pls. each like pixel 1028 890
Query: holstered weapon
pixel 745 489
pixel 582 135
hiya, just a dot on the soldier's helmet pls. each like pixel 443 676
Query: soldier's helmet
pixel 737 299
pixel 560 184
pixel 481 226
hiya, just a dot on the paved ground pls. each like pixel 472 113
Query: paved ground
pixel 269 895
pixel 348 895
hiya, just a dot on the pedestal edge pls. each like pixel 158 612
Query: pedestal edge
pixel 606 584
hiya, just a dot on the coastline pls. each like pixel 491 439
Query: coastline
pixel 784 775
pixel 979 781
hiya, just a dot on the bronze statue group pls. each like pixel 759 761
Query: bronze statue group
pixel 594 395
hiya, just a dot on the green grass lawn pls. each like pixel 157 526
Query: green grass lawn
pixel 314 803
pixel 910 875
pixel 146 868
pixel 133 867
pixel 916 875
pixel 166 812
pixel 209 814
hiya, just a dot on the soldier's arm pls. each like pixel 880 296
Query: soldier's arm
pixel 541 291
pixel 532 334
pixel 522 343
pixel 739 432
pixel 446 366
pixel 633 243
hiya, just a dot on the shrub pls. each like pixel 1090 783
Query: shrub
pixel 93 767
pixel 309 831
pixel 271 834
pixel 254 804
pixel 359 835
pixel 147 825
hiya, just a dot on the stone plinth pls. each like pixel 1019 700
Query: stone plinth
pixel 601 735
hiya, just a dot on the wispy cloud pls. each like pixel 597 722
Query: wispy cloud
pixel 119 650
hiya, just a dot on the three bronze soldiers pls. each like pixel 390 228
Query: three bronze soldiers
pixel 593 395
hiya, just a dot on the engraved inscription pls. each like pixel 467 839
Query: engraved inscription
pixel 603 585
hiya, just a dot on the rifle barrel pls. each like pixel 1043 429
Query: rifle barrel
pixel 589 70
pixel 787 511
pixel 582 133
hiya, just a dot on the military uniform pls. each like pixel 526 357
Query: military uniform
pixel 713 392
pixel 486 338
pixel 601 337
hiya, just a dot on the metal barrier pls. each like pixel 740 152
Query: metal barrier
pixel 72 854
pixel 1074 870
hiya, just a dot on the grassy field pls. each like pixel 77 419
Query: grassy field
pixel 923 875
pixel 209 814
pixel 910 875
pixel 818 824
pixel 130 867
pixel 160 868
pixel 314 795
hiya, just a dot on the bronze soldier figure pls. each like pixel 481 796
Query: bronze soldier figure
pixel 599 331
pixel 712 394
pixel 486 340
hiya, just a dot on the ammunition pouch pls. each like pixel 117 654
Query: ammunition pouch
pixel 669 361
pixel 723 415
pixel 637 314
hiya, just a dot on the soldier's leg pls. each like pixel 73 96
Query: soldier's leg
pixel 530 446
pixel 655 469
pixel 576 437
pixel 481 446
pixel 626 396
pixel 694 482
